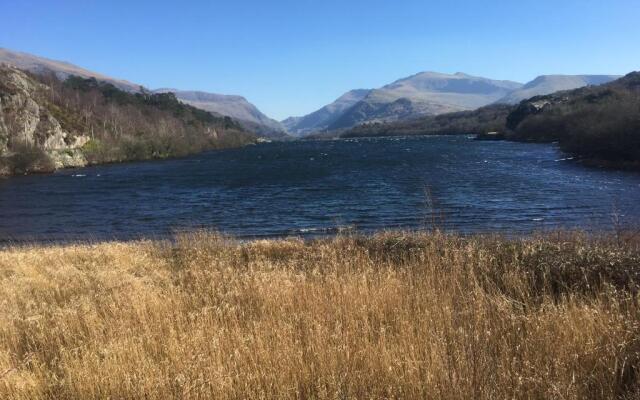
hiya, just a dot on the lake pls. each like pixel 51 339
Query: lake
pixel 316 187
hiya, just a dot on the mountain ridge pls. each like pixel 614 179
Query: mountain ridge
pixel 547 84
pixel 431 93
pixel 420 94
pixel 322 118
pixel 596 124
pixel 426 93
pixel 235 106
pixel 62 69
pixel 238 108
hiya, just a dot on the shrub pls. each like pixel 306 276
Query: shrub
pixel 28 158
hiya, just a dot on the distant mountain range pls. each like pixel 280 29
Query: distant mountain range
pixel 427 94
pixel 596 124
pixel 236 107
pixel 325 117
pixel 547 84
pixel 420 95
pixel 233 106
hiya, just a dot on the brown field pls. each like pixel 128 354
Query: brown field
pixel 395 315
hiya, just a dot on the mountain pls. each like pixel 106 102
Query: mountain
pixel 46 124
pixel 422 94
pixel 426 93
pixel 547 84
pixel 321 119
pixel 599 124
pixel 236 107
pixel 62 69
pixel 485 119
pixel 414 105
pixel 232 106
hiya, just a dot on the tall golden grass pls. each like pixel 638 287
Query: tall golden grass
pixel 394 315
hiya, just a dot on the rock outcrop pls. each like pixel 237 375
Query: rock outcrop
pixel 27 121
pixel 47 123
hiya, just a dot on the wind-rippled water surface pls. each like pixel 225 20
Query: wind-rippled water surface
pixel 306 188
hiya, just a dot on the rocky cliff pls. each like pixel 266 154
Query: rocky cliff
pixel 28 127
pixel 47 123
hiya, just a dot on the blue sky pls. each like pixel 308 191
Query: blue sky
pixel 292 57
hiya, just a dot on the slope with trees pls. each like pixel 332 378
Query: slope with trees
pixel 596 124
pixel 599 124
pixel 485 119
pixel 46 123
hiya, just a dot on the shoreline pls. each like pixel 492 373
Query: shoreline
pixel 597 163
pixel 131 161
pixel 628 166
pixel 630 231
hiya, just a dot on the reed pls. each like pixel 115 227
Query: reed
pixel 393 315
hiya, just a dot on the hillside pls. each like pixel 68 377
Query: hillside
pixel 62 69
pixel 547 84
pixel 409 104
pixel 485 119
pixel 426 93
pixel 236 107
pixel 46 124
pixel 227 105
pixel 423 94
pixel 323 118
pixel 597 123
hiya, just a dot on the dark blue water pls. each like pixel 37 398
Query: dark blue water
pixel 304 188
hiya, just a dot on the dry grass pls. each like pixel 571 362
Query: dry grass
pixel 389 316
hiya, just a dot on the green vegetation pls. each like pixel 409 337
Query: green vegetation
pixel 26 158
pixel 127 126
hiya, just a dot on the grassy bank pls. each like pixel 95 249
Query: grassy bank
pixel 389 316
